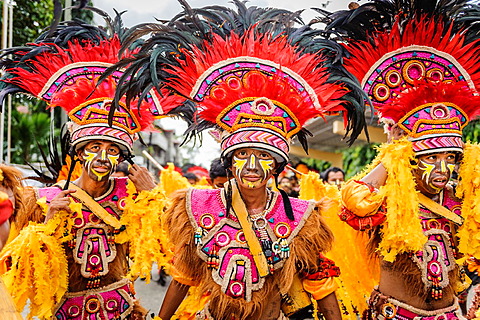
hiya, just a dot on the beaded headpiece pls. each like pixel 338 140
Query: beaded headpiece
pixel 397 66
pixel 418 47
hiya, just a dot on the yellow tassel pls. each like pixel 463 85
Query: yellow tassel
pixel 349 249
pixel 144 232
pixel 315 309
pixel 171 180
pixel 402 231
pixel 38 270
pixel 469 190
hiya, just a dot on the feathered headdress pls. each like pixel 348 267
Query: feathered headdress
pixel 249 73
pixel 67 77
pixel 257 89
pixel 411 41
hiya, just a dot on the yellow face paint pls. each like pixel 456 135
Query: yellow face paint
pixel 451 167
pixel 267 166
pixel 443 166
pixel 427 170
pixel 90 156
pixel 239 164
pixel 252 161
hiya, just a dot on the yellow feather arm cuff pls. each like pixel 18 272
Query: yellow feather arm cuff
pixel 144 232
pixel 181 278
pixel 402 231
pixel 171 180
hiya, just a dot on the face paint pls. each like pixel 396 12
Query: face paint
pixel 267 167
pixel 90 157
pixel 433 172
pixel 252 168
pixel 427 170
pixel 238 164
pixel 451 167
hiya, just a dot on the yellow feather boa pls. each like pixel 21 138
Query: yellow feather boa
pixel 171 180
pixel 39 268
pixel 469 190
pixel 144 232
pixel 402 231
pixel 348 249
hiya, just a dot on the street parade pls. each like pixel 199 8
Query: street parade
pixel 242 160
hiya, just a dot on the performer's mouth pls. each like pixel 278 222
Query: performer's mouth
pixel 101 169
pixel 251 178
pixel 439 183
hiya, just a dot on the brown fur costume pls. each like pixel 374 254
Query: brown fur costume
pixel 314 237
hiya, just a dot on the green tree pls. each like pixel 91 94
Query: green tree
pixel 471 132
pixel 30 18
pixel 356 158
pixel 28 129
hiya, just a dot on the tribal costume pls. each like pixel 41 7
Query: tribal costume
pixel 423 86
pixel 76 266
pixel 253 79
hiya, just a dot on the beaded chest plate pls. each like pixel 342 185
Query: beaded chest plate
pixel 222 245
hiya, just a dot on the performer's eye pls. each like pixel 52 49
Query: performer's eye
pixel 113 151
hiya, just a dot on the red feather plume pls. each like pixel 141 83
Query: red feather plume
pixel 46 64
pixel 256 84
pixel 422 32
pixel 430 92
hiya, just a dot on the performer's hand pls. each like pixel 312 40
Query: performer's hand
pixel 61 202
pixel 141 178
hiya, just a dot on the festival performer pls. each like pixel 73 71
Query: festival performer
pixel 424 88
pixel 71 258
pixel 251 250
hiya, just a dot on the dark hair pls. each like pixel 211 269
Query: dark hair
pixel 217 169
pixel 191 175
pixel 324 175
pixel 122 167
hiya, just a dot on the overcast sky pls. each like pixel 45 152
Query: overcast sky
pixel 139 11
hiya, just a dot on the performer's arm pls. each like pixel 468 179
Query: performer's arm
pixel 377 177
pixel 173 297
pixel 328 306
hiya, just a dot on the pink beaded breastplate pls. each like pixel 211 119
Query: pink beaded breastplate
pixel 222 245
pixel 437 258
pixel 93 241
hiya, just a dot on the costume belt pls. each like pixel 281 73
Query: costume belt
pixel 115 301
pixel 383 307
